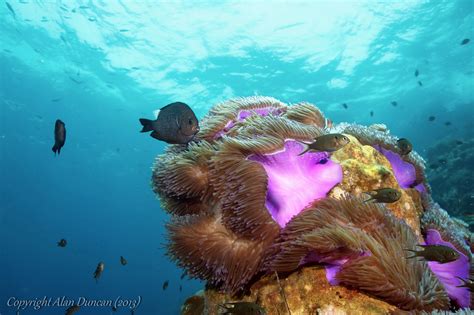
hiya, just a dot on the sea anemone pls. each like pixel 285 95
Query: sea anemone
pixel 364 247
pixel 230 192
pixel 244 203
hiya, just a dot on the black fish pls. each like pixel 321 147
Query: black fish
pixel 165 284
pixel 420 84
pixel 466 283
pixel 55 100
pixel 62 243
pixel 123 261
pixel 176 123
pixel 242 308
pixel 344 105
pixel 71 310
pixel 98 271
pixel 465 41
pixel 439 253
pixel 417 72
pixel 75 81
pixel 11 9
pixel 459 142
pixel 371 113
pixel 448 123
pixel 394 103
pixel 405 146
pixel 59 136
pixel 384 195
pixel 431 118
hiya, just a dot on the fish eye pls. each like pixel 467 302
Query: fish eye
pixel 190 121
pixel 336 137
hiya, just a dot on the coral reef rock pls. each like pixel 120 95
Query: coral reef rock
pixel 262 223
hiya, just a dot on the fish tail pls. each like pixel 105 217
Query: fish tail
pixel 414 252
pixel 55 149
pixel 146 123
pixel 371 198
pixel 306 147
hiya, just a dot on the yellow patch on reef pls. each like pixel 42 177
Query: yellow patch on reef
pixel 363 167
pixel 366 169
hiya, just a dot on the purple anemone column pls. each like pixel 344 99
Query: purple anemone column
pixel 404 172
pixel 295 181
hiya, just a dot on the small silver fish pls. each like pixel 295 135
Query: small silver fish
pixel 326 143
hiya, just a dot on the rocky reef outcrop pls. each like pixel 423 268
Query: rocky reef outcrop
pixel 291 232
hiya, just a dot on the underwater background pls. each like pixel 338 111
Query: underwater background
pixel 99 66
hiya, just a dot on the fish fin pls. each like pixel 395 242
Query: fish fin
pixel 59 150
pixel 54 148
pixel 156 112
pixel 155 135
pixel 371 198
pixel 146 123
pixel 306 147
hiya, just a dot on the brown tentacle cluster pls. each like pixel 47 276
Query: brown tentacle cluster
pixel 307 114
pixel 221 230
pixel 223 113
pixel 209 250
pixel 373 240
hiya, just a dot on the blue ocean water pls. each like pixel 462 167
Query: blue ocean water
pixel 99 66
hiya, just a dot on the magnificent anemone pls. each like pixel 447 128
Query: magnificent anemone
pixel 244 202
pixel 230 192
pixel 364 247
